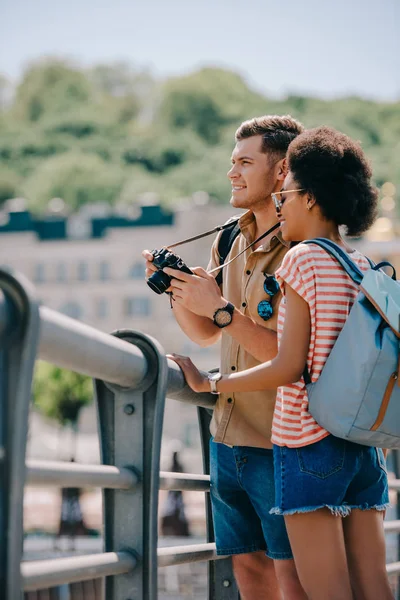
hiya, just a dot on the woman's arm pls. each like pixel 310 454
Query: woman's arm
pixel 287 367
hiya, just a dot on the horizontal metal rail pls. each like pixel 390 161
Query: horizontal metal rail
pixel 391 526
pixel 184 481
pixel 71 344
pixel 393 568
pixel 394 484
pixel 62 474
pixel 178 555
pixel 41 574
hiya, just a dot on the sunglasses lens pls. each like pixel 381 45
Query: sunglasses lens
pixel 265 309
pixel 271 286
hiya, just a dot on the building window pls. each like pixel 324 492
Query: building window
pixel 72 309
pixel 137 271
pixel 104 270
pixel 101 308
pixel 61 272
pixel 40 273
pixel 137 307
pixel 83 271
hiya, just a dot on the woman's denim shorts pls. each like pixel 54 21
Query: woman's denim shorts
pixel 332 473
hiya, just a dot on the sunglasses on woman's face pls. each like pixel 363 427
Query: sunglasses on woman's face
pixel 271 287
pixel 278 202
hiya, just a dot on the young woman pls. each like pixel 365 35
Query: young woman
pixel 332 493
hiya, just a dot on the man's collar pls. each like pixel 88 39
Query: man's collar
pixel 245 223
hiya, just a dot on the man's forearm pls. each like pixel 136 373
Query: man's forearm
pixel 257 340
pixel 200 330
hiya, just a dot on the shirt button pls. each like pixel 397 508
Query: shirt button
pixel 245 460
pixel 233 368
pixel 229 400
pixel 248 272
pixel 244 304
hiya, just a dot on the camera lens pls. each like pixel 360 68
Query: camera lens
pixel 159 282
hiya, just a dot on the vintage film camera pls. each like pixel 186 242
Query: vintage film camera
pixel 160 281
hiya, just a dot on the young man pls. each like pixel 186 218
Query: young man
pixel 242 482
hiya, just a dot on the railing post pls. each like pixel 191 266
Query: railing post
pixel 221 582
pixel 18 344
pixel 130 423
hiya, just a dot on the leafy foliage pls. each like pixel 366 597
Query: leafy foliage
pixel 111 133
pixel 76 177
pixel 61 394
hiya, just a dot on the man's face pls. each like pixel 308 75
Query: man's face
pixel 252 174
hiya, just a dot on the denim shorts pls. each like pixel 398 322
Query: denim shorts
pixel 331 473
pixel 242 495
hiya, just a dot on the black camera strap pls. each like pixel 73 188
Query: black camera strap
pixel 201 235
pixel 261 237
pixel 221 228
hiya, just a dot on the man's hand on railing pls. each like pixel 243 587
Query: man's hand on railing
pixel 196 380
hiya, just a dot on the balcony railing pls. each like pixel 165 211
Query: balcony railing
pixel 132 378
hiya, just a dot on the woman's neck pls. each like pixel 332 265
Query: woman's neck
pixel 325 230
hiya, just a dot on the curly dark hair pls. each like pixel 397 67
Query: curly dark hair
pixel 334 169
pixel 277 132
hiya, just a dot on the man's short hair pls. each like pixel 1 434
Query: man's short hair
pixel 277 132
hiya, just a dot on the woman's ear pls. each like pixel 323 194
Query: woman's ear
pixel 282 169
pixel 310 201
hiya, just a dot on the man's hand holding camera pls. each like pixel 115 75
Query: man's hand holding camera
pixel 198 292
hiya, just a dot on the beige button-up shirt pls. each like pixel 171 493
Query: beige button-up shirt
pixel 245 418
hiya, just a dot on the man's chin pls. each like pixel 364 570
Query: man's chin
pixel 236 203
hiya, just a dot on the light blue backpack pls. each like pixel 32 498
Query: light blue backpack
pixel 357 396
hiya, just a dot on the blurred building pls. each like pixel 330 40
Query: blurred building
pixel 89 267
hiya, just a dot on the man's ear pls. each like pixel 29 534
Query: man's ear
pixel 282 169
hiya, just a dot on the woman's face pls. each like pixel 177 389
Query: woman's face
pixel 292 213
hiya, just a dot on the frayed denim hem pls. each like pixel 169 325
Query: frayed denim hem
pixel 379 507
pixel 337 511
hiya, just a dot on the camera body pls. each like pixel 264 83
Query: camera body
pixel 159 281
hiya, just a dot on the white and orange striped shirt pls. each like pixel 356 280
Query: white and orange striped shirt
pixel 330 293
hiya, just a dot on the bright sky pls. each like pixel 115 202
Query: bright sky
pixel 317 47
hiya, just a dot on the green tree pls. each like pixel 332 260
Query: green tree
pixel 48 87
pixel 9 182
pixel 111 133
pixel 60 395
pixel 75 177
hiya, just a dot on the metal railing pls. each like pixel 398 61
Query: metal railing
pixel 132 378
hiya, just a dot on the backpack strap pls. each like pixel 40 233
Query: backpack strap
pixel 226 240
pixel 341 256
pixel 348 265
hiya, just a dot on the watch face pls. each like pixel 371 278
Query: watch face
pixel 223 317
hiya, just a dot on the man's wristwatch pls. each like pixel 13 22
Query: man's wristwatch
pixel 223 316
pixel 213 378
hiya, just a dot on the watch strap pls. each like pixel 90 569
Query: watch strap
pixel 213 378
pixel 229 308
